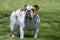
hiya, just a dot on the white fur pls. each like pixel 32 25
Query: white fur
pixel 18 17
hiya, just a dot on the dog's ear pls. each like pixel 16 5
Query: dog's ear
pixel 25 6
pixel 36 6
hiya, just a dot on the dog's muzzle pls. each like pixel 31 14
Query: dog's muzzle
pixel 28 15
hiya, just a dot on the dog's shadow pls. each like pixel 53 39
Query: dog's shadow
pixel 26 35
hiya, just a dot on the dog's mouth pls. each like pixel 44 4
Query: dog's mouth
pixel 28 17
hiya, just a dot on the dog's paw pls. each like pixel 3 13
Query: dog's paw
pixel 12 35
pixel 21 38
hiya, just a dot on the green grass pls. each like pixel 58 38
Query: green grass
pixel 49 13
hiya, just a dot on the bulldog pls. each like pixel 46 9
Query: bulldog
pixel 28 18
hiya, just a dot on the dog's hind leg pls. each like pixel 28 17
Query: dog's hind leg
pixel 12 29
pixel 18 32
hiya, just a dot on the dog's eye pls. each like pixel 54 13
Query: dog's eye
pixel 32 9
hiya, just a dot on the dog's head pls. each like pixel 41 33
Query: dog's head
pixel 30 11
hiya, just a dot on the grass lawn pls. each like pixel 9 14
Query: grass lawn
pixel 49 13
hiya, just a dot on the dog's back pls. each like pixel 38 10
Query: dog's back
pixel 14 16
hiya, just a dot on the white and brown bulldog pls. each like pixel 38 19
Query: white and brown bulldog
pixel 28 18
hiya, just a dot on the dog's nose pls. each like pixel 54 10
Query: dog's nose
pixel 28 11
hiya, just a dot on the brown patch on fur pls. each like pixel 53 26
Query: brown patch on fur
pixel 35 9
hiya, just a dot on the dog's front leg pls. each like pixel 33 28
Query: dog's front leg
pixel 36 32
pixel 21 32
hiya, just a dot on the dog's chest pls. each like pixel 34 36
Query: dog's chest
pixel 29 23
